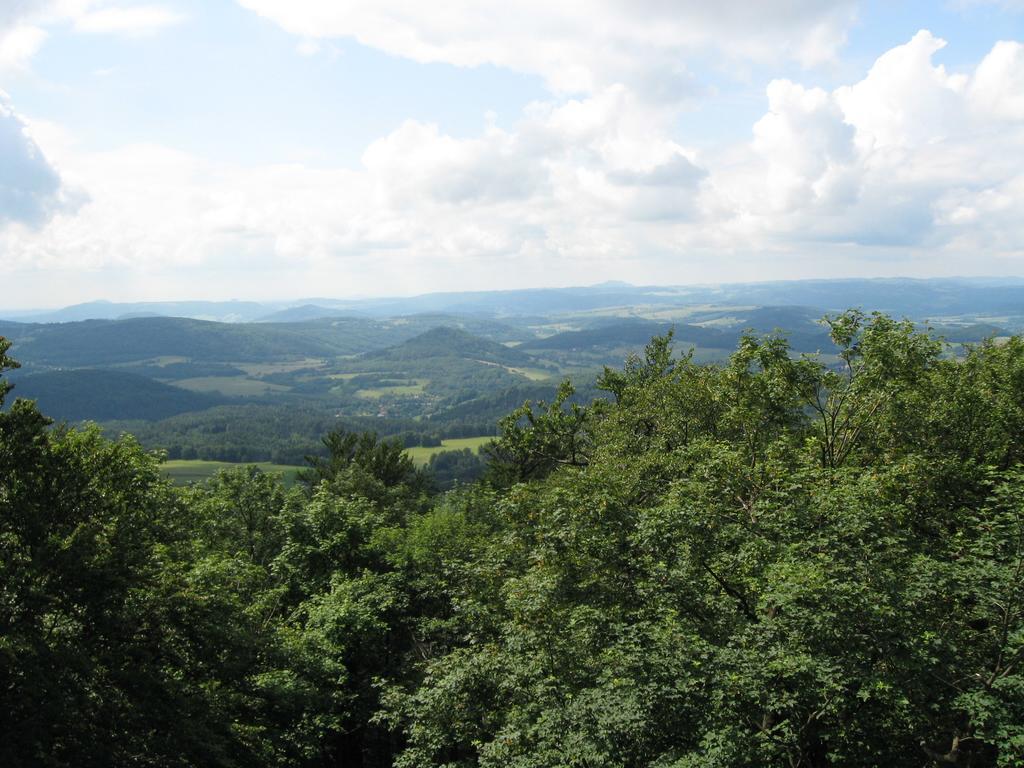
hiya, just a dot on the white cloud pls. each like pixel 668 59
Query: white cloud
pixel 905 101
pixel 20 36
pixel 18 45
pixel 23 23
pixel 998 84
pixel 575 183
pixel 912 169
pixel 911 156
pixel 578 45
pixel 30 188
pixel 137 20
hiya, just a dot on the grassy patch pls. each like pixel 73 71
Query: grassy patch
pixel 345 376
pixel 232 386
pixel 533 374
pixel 185 472
pixel 376 393
pixel 265 369
pixel 421 455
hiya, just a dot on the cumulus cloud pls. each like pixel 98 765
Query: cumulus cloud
pixel 30 189
pixel 997 88
pixel 913 164
pixel 570 179
pixel 578 46
pixel 912 155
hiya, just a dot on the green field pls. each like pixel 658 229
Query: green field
pixel 421 455
pixel 533 374
pixel 185 472
pixel 375 393
pixel 264 369
pixel 346 376
pixel 233 386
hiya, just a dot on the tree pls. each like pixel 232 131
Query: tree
pixel 533 443
pixel 780 561
pixel 362 464
pixel 6 364
pixel 118 644
pixel 774 562
pixel 239 513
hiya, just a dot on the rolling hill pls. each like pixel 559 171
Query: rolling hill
pixel 112 342
pixel 100 395
pixel 446 342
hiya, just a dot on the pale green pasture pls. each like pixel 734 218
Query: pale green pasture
pixel 233 386
pixel 264 369
pixel 376 393
pixel 185 472
pixel 421 454
pixel 533 374
pixel 347 376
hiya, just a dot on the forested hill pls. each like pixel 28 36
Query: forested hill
pixel 302 313
pixel 452 342
pixel 105 342
pixel 101 395
pixel 620 334
pixel 775 561
pixel 94 343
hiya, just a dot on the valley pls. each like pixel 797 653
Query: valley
pixel 435 371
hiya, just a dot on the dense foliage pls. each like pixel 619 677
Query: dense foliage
pixel 772 562
pixel 90 394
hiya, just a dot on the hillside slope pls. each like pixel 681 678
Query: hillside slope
pixel 445 342
pixel 110 342
pixel 101 395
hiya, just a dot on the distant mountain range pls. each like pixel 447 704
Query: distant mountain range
pixel 223 311
pixel 916 298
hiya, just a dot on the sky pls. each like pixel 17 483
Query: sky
pixel 279 149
